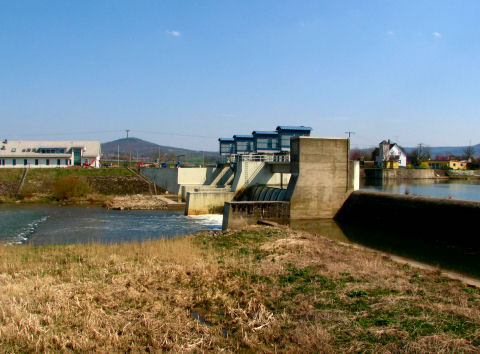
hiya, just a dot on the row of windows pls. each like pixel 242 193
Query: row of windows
pixel 267 143
pixel 244 146
pixel 67 162
pixel 40 151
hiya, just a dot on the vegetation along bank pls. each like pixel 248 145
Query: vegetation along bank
pixel 70 185
pixel 258 289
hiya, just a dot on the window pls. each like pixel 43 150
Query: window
pixel 66 162
pixel 36 162
pixel 58 162
pixel 14 162
pixel 28 150
pixel 13 150
pixel 25 162
pixel 47 162
pixel 3 162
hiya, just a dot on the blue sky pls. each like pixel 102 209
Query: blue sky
pixel 183 73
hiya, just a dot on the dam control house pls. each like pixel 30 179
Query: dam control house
pixel 276 142
pixel 49 154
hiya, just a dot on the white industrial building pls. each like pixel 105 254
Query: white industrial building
pixel 49 154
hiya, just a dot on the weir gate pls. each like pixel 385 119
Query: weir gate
pixel 312 182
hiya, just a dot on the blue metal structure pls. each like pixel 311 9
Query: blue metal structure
pixel 285 132
pixel 243 144
pixel 265 141
pixel 227 146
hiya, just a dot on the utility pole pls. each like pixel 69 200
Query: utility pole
pixel 118 155
pixel 420 149
pixel 127 147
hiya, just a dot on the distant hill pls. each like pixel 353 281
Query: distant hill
pixel 148 150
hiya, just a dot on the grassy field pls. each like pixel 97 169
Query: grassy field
pixel 260 289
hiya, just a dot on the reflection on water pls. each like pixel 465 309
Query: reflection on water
pixel 405 244
pixel 454 189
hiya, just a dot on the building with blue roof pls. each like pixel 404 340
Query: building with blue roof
pixel 243 144
pixel 286 132
pixel 227 146
pixel 262 142
pixel 265 141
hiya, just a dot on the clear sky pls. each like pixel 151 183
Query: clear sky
pixel 184 73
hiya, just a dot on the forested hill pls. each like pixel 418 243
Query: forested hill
pixel 148 150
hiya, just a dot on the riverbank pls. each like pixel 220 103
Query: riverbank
pixel 259 289
pixel 102 187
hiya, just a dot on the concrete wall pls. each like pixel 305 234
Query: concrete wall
pixel 240 214
pixel 209 202
pixel 172 179
pixel 401 173
pixel 320 181
pixel 166 178
pixel 185 189
pixel 195 175
pixel 432 218
pixel 250 173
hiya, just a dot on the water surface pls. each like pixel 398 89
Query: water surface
pixel 450 189
pixel 47 224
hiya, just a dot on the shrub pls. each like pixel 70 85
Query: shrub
pixel 28 190
pixel 67 187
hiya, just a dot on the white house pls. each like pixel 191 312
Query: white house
pixel 391 152
pixel 49 154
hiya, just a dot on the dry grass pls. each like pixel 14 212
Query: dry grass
pixel 258 290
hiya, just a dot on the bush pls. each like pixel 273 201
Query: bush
pixel 28 190
pixel 70 187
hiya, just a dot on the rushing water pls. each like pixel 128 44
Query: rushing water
pixel 46 224
pixel 452 189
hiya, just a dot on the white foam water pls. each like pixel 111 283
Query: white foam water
pixel 26 232
pixel 213 221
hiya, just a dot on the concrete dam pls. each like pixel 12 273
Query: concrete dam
pixel 312 182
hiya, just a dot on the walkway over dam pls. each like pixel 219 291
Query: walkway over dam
pixel 313 184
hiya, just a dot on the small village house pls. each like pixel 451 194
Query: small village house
pixel 391 155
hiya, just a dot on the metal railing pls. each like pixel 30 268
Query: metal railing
pixel 255 157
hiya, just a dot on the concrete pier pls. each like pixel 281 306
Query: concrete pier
pixel 322 178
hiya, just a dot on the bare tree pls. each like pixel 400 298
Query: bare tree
pixel 469 153
pixel 420 154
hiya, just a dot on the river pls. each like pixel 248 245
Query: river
pixel 49 224
pixel 451 189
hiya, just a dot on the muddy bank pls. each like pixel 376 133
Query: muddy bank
pixel 142 202
pixel 118 185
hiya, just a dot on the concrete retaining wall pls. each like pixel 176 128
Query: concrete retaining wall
pixel 402 173
pixel 249 173
pixel 433 218
pixel 240 214
pixel 166 178
pixel 172 179
pixel 209 202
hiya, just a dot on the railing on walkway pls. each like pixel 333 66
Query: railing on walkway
pixel 255 157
